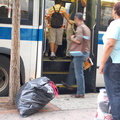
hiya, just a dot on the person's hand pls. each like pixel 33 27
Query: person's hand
pixel 87 58
pixel 101 68
pixel 72 37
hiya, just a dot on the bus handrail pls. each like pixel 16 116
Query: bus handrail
pixel 93 38
pixel 44 48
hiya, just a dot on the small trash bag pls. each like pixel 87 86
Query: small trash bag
pixel 34 95
pixel 104 108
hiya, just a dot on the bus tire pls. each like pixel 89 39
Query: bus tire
pixel 4 75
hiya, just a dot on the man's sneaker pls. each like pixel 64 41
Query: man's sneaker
pixel 52 57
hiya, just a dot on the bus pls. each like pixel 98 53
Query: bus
pixel 34 62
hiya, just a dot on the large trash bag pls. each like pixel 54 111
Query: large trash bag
pixel 104 108
pixel 34 95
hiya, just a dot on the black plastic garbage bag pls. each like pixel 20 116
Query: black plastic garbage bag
pixel 34 95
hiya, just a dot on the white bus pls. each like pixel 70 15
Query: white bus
pixel 31 37
pixel 33 42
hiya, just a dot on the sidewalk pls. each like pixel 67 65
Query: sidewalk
pixel 62 108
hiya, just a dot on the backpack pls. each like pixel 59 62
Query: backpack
pixel 56 19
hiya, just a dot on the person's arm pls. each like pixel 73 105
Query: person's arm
pixel 106 53
pixel 67 21
pixel 67 18
pixel 48 19
pixel 77 38
pixel 83 3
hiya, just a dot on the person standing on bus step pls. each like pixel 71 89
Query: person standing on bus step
pixel 55 18
pixel 72 11
pixel 76 66
pixel 110 62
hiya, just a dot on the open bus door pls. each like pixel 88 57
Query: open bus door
pixel 105 17
pixel 92 21
pixel 98 22
pixel 58 69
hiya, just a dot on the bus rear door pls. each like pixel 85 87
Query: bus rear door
pixel 103 19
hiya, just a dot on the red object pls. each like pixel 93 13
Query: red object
pixel 54 88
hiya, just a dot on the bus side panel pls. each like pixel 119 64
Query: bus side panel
pixel 99 77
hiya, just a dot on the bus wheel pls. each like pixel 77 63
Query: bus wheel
pixel 4 75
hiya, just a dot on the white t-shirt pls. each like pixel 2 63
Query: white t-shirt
pixel 113 31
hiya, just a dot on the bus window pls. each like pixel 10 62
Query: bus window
pixel 106 12
pixel 3 9
pixel 67 6
pixel 6 8
pixel 48 5
pixel 24 9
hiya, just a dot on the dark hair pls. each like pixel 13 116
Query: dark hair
pixel 57 1
pixel 79 16
pixel 116 8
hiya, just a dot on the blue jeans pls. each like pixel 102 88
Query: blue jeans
pixel 76 73
pixel 112 83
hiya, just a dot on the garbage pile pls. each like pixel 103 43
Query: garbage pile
pixel 34 95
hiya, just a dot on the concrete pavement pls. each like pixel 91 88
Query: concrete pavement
pixel 62 108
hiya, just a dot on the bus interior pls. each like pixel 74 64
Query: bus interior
pixel 97 14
